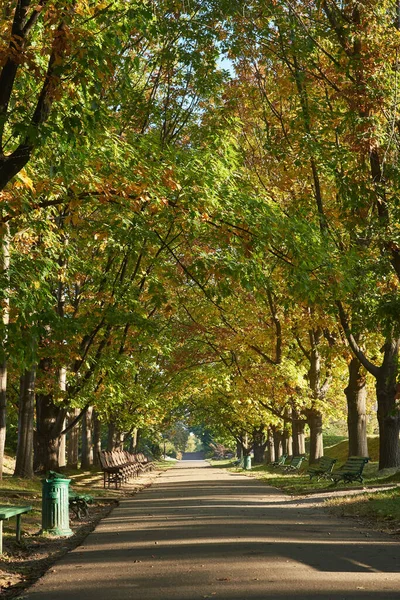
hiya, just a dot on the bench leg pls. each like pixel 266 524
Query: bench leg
pixel 18 530
pixel 1 538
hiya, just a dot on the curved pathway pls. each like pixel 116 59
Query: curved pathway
pixel 200 532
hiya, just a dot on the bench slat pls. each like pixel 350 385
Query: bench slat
pixel 7 511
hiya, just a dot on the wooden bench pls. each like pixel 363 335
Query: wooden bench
pixel 280 462
pixel 119 465
pixel 322 470
pixel 111 474
pixel 351 470
pixel 294 464
pixel 145 464
pixel 79 503
pixel 6 512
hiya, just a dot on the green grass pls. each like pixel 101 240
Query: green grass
pixel 340 450
pixel 381 508
pixel 294 483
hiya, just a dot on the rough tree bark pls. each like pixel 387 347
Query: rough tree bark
pixel 388 412
pixel 111 437
pixel 356 395
pixel 270 447
pixel 5 316
pixel 73 440
pixel 87 447
pixel 260 442
pixel 386 391
pixel 26 409
pixel 49 423
pixel 96 438
pixel 239 450
pixel 287 444
pixel 314 421
pixel 298 425
pixel 277 435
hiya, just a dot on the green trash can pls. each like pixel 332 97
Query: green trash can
pixel 247 463
pixel 55 509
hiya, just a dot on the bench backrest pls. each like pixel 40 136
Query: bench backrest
pixel 325 462
pixel 296 461
pixel 354 464
pixel 104 462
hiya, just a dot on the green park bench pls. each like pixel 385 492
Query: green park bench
pixel 351 470
pixel 322 470
pixel 6 512
pixel 79 503
pixel 280 462
pixel 294 464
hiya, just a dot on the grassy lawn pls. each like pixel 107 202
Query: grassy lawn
pixel 380 508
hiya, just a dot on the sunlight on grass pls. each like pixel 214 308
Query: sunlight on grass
pixel 382 507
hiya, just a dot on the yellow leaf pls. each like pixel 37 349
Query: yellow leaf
pixel 25 179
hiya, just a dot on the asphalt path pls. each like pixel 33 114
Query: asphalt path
pixel 200 532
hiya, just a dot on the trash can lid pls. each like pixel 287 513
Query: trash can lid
pixel 53 475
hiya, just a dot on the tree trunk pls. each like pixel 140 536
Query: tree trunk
pixel 87 448
pixel 96 439
pixel 277 444
pixel 298 424
pixel 134 440
pixel 5 316
pixel 111 437
pixel 49 422
pixel 62 461
pixel 356 395
pixel 287 445
pixel 239 450
pixel 73 441
pixel 138 436
pixel 270 447
pixel 314 420
pixel 120 440
pixel 26 410
pixel 259 445
pixel 388 413
pixel 62 381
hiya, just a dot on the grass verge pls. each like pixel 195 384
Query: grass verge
pixel 381 509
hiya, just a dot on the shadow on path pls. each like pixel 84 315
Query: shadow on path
pixel 202 533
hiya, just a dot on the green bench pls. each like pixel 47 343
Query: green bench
pixel 280 462
pixel 294 464
pixel 322 470
pixel 79 503
pixel 6 512
pixel 351 470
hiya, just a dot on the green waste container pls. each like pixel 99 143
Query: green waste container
pixel 55 510
pixel 247 463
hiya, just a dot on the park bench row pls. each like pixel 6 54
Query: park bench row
pixel 119 466
pixel 349 472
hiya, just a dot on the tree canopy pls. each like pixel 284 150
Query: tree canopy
pixel 199 221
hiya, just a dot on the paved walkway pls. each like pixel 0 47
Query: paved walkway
pixel 200 532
